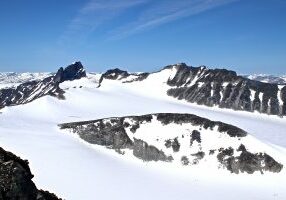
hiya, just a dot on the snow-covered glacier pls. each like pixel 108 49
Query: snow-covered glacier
pixel 75 168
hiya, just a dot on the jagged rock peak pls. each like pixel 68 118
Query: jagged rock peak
pixel 181 65
pixel 115 73
pixel 118 74
pixel 217 74
pixel 178 66
pixel 71 72
pixel 31 90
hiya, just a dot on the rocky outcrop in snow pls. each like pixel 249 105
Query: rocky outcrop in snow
pixel 226 89
pixel 212 87
pixel 70 73
pixel 180 138
pixel 247 161
pixel 209 87
pixel 126 77
pixel 31 90
pixel 16 180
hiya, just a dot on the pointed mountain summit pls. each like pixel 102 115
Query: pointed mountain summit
pixel 70 73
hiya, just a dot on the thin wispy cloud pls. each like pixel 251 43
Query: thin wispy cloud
pixel 94 14
pixel 151 14
pixel 165 12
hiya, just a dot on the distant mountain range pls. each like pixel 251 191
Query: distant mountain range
pixel 210 87
pixel 267 78
pixel 14 78
pixel 8 79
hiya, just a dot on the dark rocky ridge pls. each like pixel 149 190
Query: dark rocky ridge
pixel 118 74
pixel 112 133
pixel 70 73
pixel 164 118
pixel 206 87
pixel 16 180
pixel 216 87
pixel 29 91
pixel 232 131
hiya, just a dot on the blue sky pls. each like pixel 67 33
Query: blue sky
pixel 248 36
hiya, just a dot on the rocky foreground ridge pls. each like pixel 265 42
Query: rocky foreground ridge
pixel 16 180
pixel 181 138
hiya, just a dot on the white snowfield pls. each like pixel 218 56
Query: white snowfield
pixel 75 170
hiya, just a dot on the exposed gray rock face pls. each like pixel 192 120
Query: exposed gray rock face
pixel 70 73
pixel 16 180
pixel 247 161
pixel 148 152
pixel 124 134
pixel 215 87
pixel 232 131
pixel 31 90
pixel 174 143
pixel 226 89
pixel 198 156
pixel 112 134
pixel 118 74
pixel 114 74
pixel 185 160
pixel 196 136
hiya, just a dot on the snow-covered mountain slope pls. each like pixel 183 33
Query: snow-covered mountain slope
pixel 31 90
pixel 179 138
pixel 10 79
pixel 78 170
pixel 75 169
pixel 281 80
pixel 210 87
